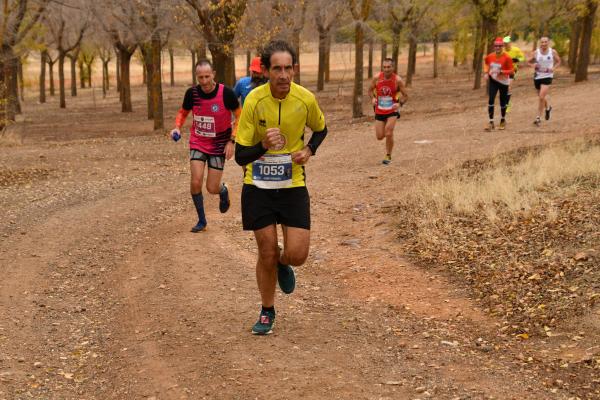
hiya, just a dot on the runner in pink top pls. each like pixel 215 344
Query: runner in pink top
pixel 211 136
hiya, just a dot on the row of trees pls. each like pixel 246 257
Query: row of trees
pixel 79 31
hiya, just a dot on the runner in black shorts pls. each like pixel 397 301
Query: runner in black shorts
pixel 211 136
pixel 384 117
pixel 384 91
pixel 270 143
pixel 545 60
pixel 539 82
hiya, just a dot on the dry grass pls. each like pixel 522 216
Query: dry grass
pixel 515 187
pixel 520 231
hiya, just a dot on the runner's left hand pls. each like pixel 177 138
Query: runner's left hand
pixel 229 150
pixel 301 157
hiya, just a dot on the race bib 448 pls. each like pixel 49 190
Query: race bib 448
pixel 204 125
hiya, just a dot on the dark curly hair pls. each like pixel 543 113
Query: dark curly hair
pixel 276 46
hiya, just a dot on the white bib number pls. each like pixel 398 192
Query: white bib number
pixel 272 171
pixel 385 102
pixel 205 125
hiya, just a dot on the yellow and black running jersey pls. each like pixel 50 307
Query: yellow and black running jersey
pixel 262 111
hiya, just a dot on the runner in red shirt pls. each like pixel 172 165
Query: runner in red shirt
pixel 384 96
pixel 498 69
pixel 211 136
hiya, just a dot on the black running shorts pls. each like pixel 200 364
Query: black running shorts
pixel 264 207
pixel 384 117
pixel 214 162
pixel 539 82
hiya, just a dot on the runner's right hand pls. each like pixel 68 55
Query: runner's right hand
pixel 175 134
pixel 272 139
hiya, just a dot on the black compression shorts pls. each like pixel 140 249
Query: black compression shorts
pixel 214 162
pixel 384 117
pixel 264 207
pixel 539 82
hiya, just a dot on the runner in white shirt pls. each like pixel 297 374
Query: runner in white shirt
pixel 545 60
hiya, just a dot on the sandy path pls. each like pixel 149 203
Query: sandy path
pixel 104 287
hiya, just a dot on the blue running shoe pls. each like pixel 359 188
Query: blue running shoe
pixel 286 278
pixel 224 202
pixel 199 227
pixel 264 325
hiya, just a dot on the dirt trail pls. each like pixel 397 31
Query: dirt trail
pixel 105 294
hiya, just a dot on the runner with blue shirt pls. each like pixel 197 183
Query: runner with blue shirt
pixel 247 83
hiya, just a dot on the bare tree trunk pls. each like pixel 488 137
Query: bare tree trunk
pixel 574 42
pixel 14 86
pixel 248 59
pixel 13 106
pixel 81 74
pixel 125 81
pixel 395 49
pixel 144 73
pixel 412 58
pixel 477 47
pixel 73 60
pixel 51 75
pixel 156 83
pixel 118 73
pixel 42 77
pixel 327 55
pixel 296 46
pixel 383 52
pixel 322 55
pixel 21 81
pixel 436 39
pixel 4 118
pixel 193 66
pixel 146 49
pixel 224 64
pixel 583 60
pixel 104 78
pixel 357 96
pixel 172 65
pixel 202 50
pixel 370 69
pixel 478 59
pixel 88 67
pixel 107 74
pixel 61 79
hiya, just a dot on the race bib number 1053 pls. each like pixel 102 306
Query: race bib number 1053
pixel 272 171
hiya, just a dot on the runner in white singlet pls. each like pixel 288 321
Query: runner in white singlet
pixel 545 60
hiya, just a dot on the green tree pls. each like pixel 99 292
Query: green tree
pixel 489 12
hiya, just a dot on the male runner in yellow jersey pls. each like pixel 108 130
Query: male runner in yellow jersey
pixel 517 57
pixel 270 143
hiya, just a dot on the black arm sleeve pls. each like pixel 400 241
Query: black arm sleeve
pixel 247 154
pixel 316 139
